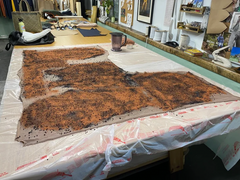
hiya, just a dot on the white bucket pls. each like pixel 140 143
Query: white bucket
pixel 158 35
pixel 164 37
pixel 152 31
pixel 184 41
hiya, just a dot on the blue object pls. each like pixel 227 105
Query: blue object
pixel 220 40
pixel 91 32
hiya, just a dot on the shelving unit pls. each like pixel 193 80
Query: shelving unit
pixel 192 10
pixel 184 27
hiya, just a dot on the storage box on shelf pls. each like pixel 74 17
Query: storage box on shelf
pixel 195 29
pixel 192 10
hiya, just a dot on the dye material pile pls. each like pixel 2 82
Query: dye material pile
pixel 72 90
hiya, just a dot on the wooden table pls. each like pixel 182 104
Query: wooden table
pixel 77 39
pixel 176 157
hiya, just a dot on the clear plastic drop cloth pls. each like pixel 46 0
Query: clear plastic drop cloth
pixel 93 153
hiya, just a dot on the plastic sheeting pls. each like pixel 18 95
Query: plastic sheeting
pixel 93 153
pixel 227 147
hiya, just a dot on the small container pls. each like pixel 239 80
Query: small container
pixel 184 41
pixel 152 31
pixel 129 46
pixel 228 53
pixel 188 24
pixel 117 41
pixel 190 4
pixel 164 36
pixel 147 31
pixel 113 19
pixel 21 26
pixel 158 35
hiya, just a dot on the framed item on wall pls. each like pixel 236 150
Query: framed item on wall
pixel 145 11
pixel 127 11
pixel 197 3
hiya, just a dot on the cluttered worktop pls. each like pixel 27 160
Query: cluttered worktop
pixel 69 36
pixel 207 63
pixel 69 153
pixel 84 106
pixel 123 142
pixel 74 37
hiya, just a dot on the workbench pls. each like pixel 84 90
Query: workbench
pixel 113 149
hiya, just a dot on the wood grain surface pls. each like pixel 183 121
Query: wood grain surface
pixel 77 39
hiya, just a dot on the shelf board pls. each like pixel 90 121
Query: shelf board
pixel 192 12
pixel 190 30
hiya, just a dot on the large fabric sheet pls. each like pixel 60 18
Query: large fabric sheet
pixel 63 93
pixel 93 153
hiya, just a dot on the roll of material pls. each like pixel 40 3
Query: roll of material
pixel 78 7
pixel 152 31
pixel 184 41
pixel 164 37
pixel 158 35
pixel 61 4
pixel 73 6
pixel 147 31
pixel 102 12
pixel 94 14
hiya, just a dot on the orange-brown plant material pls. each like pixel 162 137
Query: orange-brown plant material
pixel 98 91
pixel 36 62
pixel 174 90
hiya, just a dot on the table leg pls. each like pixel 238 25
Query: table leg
pixel 176 160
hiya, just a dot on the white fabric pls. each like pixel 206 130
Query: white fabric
pixel 86 25
pixel 31 37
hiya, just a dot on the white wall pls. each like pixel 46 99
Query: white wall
pixel 158 20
